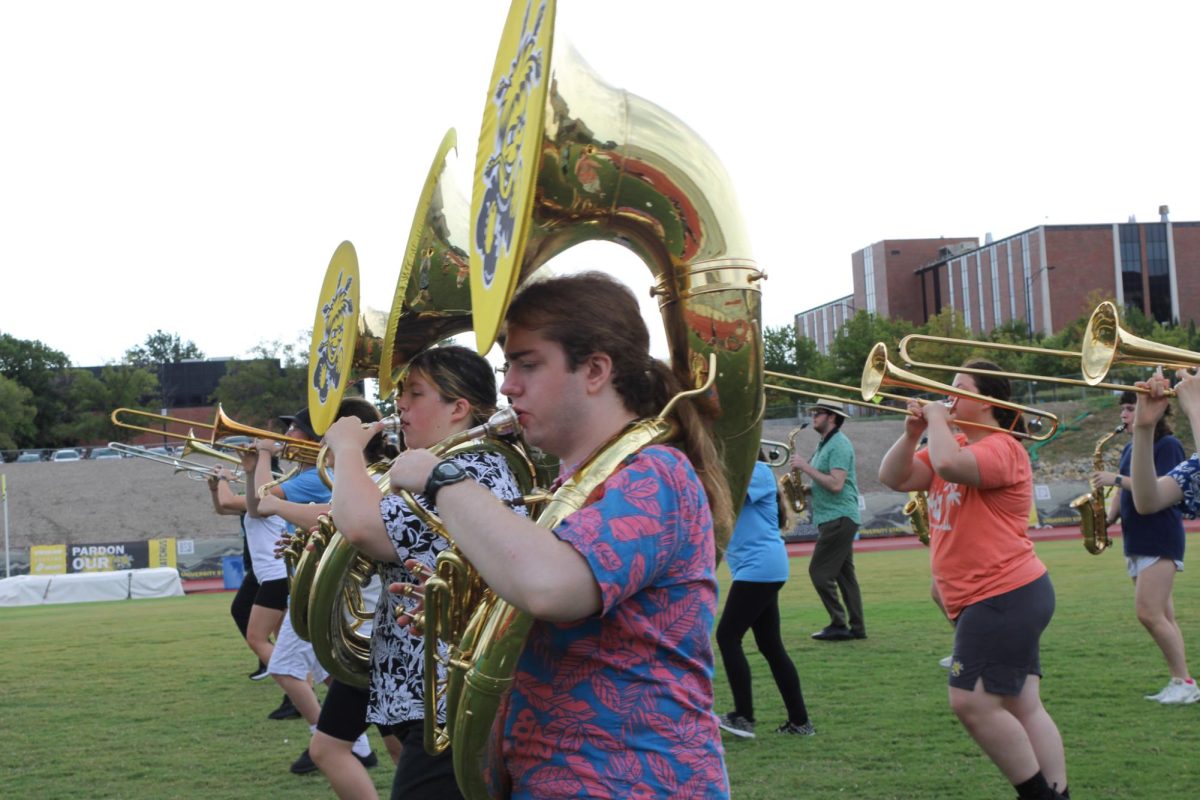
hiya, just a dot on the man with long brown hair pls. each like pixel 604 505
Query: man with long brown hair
pixel 612 695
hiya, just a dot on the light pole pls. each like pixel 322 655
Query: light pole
pixel 1029 297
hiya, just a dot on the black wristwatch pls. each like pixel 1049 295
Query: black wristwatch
pixel 444 474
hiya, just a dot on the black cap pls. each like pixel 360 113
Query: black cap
pixel 302 422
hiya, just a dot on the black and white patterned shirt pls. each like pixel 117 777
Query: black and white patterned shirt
pixel 397 690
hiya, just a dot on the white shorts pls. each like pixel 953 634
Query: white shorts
pixel 1135 564
pixel 293 656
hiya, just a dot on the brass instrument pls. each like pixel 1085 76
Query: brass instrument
pixel 346 339
pixel 299 450
pixel 194 469
pixel 563 158
pixel 792 483
pixel 329 585
pixel 778 453
pixel 1093 514
pixel 917 511
pixel 333 596
pixel 879 371
pixel 1106 344
pixel 431 303
pixel 1067 355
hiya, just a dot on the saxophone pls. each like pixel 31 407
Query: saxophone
pixel 792 483
pixel 917 511
pixel 1093 516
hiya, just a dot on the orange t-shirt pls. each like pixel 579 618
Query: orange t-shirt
pixel 979 547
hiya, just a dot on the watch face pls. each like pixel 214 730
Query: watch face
pixel 448 471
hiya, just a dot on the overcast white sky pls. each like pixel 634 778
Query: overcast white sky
pixel 193 166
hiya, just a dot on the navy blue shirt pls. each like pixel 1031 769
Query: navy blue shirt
pixel 1161 533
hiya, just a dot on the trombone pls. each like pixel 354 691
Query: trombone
pixel 299 450
pixel 914 338
pixel 1106 344
pixel 841 387
pixel 879 372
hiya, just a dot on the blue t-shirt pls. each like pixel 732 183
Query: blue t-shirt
pixel 756 552
pixel 306 487
pixel 1161 533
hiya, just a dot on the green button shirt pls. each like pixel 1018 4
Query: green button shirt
pixel 835 452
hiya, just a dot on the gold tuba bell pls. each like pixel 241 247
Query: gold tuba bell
pixel 564 158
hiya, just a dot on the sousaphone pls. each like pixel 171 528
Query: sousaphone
pixel 564 158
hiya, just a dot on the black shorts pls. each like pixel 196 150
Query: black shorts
pixel 997 639
pixel 273 594
pixel 344 713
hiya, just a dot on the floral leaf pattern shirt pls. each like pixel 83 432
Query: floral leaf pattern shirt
pixel 620 704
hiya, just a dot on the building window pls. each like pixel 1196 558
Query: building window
pixel 966 292
pixel 869 277
pixel 1158 267
pixel 995 287
pixel 1012 292
pixel 1131 266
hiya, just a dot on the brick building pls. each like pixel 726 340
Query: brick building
pixel 1040 277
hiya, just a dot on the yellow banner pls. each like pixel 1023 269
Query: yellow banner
pixel 162 552
pixel 48 559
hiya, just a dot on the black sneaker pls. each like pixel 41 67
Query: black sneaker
pixel 286 710
pixel 737 725
pixel 304 764
pixel 792 729
pixel 833 633
pixel 369 760
pixel 259 673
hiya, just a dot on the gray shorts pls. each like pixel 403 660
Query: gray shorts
pixel 997 639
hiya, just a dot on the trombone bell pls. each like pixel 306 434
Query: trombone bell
pixel 1106 344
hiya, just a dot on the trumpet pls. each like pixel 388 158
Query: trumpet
pixel 879 371
pixel 1106 344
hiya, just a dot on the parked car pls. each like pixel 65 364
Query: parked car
pixel 65 455
pixel 26 457
pixel 103 452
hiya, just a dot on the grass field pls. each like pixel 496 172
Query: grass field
pixel 149 699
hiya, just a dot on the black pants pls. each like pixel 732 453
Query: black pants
pixel 755 606
pixel 420 776
pixel 831 567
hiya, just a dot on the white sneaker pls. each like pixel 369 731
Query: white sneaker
pixel 1180 692
pixel 1157 695
pixel 946 662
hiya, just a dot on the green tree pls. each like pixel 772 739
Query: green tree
pixel 857 337
pixel 94 398
pixel 40 369
pixel 17 413
pixel 780 349
pixel 272 383
pixel 161 347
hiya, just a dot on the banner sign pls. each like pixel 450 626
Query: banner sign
pixel 105 557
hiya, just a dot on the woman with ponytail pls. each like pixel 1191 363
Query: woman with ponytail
pixel 995 589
